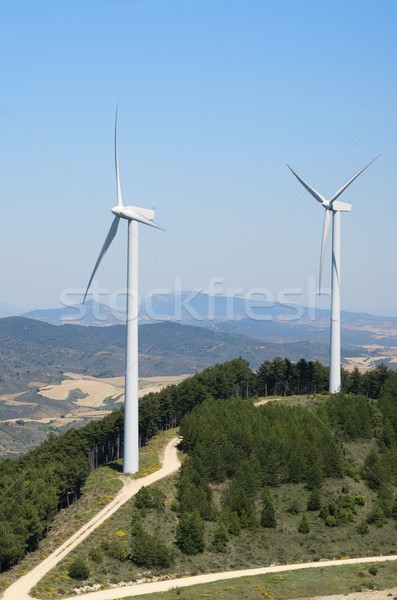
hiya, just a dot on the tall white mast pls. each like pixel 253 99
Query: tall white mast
pixel 133 215
pixel 334 207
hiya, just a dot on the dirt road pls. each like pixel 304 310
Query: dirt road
pixel 19 590
pixel 165 586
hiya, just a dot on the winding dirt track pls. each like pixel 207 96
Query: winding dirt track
pixel 19 590
pixel 165 586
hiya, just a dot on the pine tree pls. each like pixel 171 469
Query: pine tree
pixel 314 500
pixel 238 501
pixel 268 515
pixel 314 475
pixel 272 467
pixel 220 538
pixel 190 533
pixel 304 526
pixel 231 521
pixel 149 550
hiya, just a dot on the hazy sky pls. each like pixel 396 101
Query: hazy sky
pixel 215 97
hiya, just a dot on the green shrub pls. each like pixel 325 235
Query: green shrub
pixel 294 508
pixel 373 569
pixel 79 569
pixel 230 520
pixel 116 550
pixel 338 512
pixel 149 498
pixel 96 555
pixel 377 516
pixel 220 538
pixel 362 528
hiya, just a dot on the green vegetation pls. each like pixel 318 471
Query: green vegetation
pixel 304 526
pixel 100 488
pixel 190 533
pixel 148 550
pixel 341 579
pixel 21 436
pixel 37 485
pixel 49 478
pixel 283 377
pixel 249 475
pixel 79 570
pixel 35 351
pixel 268 514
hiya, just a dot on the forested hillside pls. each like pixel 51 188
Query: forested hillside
pixel 35 486
pixel 284 377
pixel 269 483
pixel 237 453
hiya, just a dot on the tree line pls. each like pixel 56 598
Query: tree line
pixel 294 446
pixel 251 450
pixel 35 486
pixel 285 378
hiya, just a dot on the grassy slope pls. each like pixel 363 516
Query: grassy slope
pixel 251 548
pixel 100 488
pixel 291 584
pixel 260 547
pixel 18 439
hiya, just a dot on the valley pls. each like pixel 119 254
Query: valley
pixel 87 398
pixel 55 377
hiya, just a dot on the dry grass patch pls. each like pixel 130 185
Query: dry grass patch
pixel 307 583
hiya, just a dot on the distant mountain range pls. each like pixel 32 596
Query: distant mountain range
pixel 270 322
pixel 193 308
pixel 89 313
pixel 181 334
pixel 32 351
pixel 178 334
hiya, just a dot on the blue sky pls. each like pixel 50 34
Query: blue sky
pixel 215 97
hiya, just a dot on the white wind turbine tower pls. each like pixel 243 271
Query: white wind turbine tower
pixel 133 215
pixel 334 207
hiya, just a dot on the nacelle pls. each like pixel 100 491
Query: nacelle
pixel 341 206
pixel 145 212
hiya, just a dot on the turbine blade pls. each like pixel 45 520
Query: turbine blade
pixel 136 216
pixel 309 188
pixel 327 218
pixel 116 157
pixel 106 244
pixel 345 185
pixel 146 221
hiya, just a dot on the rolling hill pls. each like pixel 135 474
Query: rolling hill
pixel 34 354
pixel 33 351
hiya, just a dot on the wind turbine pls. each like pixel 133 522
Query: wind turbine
pixel 334 207
pixel 133 215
